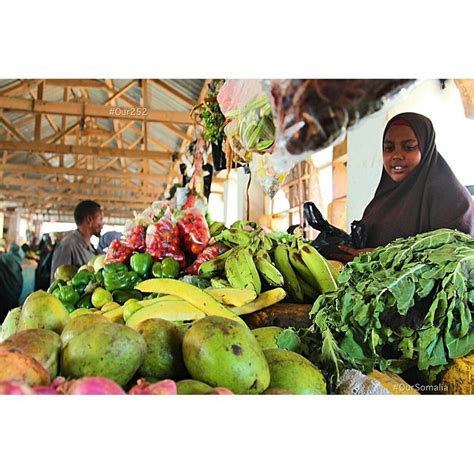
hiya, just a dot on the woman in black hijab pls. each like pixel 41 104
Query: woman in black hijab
pixel 417 192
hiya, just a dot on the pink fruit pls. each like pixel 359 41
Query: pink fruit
pixel 220 391
pixel 164 387
pixel 14 388
pixel 91 386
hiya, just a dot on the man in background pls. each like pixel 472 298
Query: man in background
pixel 76 248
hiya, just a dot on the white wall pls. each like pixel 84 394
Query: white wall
pixel 454 139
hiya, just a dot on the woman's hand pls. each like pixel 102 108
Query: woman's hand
pixel 347 254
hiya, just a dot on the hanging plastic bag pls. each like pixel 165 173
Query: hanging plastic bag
pixel 194 231
pixel 162 239
pixel 118 252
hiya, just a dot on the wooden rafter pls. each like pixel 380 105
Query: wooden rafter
pixel 85 109
pixel 60 170
pixel 82 150
pixel 76 83
pixel 21 87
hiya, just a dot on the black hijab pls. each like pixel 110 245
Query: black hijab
pixel 430 198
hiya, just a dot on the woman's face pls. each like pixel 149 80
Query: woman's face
pixel 401 152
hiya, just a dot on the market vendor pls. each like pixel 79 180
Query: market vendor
pixel 417 192
pixel 76 248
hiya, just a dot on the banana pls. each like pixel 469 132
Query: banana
pixel 213 267
pixel 233 273
pixel 266 299
pixel 216 228
pixel 309 291
pixel 268 271
pixel 336 268
pixel 245 262
pixel 319 267
pixel 217 282
pixel 169 310
pixel 115 315
pixel 192 294
pixel 300 267
pixel 292 284
pixel 233 237
pixel 232 296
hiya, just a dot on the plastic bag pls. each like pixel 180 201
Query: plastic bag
pixel 135 235
pixel 118 252
pixel 162 240
pixel 251 128
pixel 330 236
pixel 194 231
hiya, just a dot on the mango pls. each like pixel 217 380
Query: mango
pixel 164 357
pixel 277 391
pixel 224 353
pixel 79 312
pixel 65 272
pixel 79 324
pixel 15 366
pixel 192 387
pixel 109 350
pixel 43 310
pixel 10 323
pixel 291 371
pixel 41 344
pixel 267 336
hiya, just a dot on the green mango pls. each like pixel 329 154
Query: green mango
pixel 41 344
pixel 224 353
pixel 292 372
pixel 43 310
pixel 164 357
pixel 74 327
pixel 267 336
pixel 10 323
pixel 109 350
pixel 192 387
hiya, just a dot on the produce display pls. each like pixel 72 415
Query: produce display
pixel 405 308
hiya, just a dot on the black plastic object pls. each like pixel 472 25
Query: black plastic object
pixel 330 236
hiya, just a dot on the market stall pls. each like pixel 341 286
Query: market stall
pixel 187 304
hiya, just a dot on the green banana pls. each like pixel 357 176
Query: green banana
pixel 309 291
pixel 268 271
pixel 216 228
pixel 300 267
pixel 219 283
pixel 234 237
pixel 292 284
pixel 319 267
pixel 214 267
pixel 234 275
pixel 245 261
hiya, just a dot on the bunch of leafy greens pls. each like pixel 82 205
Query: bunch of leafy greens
pixel 212 118
pixel 407 305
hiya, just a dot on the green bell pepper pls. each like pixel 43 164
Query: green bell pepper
pixel 122 296
pixel 82 278
pixel 85 301
pixel 140 263
pixel 56 284
pixel 114 267
pixel 170 268
pixel 99 277
pixel 120 279
pixel 70 307
pixel 156 270
pixel 68 295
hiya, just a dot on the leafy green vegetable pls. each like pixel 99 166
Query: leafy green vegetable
pixel 407 305
pixel 289 340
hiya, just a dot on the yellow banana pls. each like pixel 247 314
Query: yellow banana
pixel 319 267
pixel 232 296
pixel 292 284
pixel 192 294
pixel 266 299
pixel 169 310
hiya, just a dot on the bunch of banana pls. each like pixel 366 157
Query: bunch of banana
pixel 241 271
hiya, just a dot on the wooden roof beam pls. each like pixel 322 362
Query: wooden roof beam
pixel 61 170
pixel 83 150
pixel 83 109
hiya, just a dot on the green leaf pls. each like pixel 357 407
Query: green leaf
pixel 289 340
